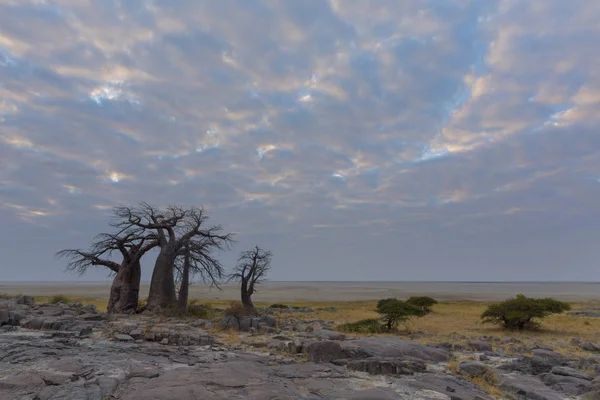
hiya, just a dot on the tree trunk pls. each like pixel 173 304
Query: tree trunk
pixel 130 288
pixel 115 291
pixel 247 299
pixel 162 286
pixel 185 282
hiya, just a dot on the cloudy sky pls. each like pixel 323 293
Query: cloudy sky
pixel 358 140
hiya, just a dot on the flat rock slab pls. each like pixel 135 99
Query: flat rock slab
pixel 392 347
pixel 525 387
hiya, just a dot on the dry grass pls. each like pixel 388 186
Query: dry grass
pixel 447 321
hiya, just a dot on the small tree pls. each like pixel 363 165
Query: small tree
pixel 252 267
pixel 522 312
pixel 423 302
pixel 394 311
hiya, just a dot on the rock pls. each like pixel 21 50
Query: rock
pixel 566 371
pixel 52 311
pixel 529 366
pixel 589 346
pixel 446 386
pixel 26 300
pixel 328 334
pixel 325 351
pixel 525 387
pixel 4 317
pixel 139 371
pixel 472 368
pixel 136 334
pixel 229 323
pixel 391 347
pixel 122 337
pixel 565 384
pixel 480 345
pixel 52 379
pixel 387 366
pixel 549 355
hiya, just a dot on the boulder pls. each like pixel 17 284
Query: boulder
pixel 122 337
pixel 26 300
pixel 480 345
pixel 472 368
pixel 589 346
pixel 325 351
pixel 449 386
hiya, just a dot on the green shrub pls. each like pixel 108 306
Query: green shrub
pixel 202 311
pixel 522 312
pixel 364 326
pixel 279 306
pixel 394 311
pixel 424 302
pixel 59 298
pixel 141 307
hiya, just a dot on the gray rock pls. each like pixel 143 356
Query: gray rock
pixel 26 300
pixel 328 334
pixel 524 387
pixel 136 334
pixel 4 317
pixel 454 388
pixel 325 351
pixel 589 346
pixel 52 311
pixel 480 345
pixel 139 371
pixel 565 384
pixel 391 347
pixel 229 323
pixel 122 337
pixel 472 368
pixel 387 366
pixel 566 371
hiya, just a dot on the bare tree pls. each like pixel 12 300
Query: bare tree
pixel 125 288
pixel 175 227
pixel 252 267
pixel 196 259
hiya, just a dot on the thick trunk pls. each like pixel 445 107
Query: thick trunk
pixel 115 291
pixel 125 289
pixel 162 286
pixel 130 288
pixel 182 301
pixel 247 299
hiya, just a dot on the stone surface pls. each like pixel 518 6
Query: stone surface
pixel 480 345
pixel 523 387
pixel 472 368
pixel 325 351
pixel 392 347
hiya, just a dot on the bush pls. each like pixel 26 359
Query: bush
pixel 59 298
pixel 236 309
pixel 423 302
pixel 141 306
pixel 364 326
pixel 201 311
pixel 394 311
pixel 279 306
pixel 522 312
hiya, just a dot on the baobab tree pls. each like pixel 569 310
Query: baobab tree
pixel 175 228
pixel 251 269
pixel 195 258
pixel 125 288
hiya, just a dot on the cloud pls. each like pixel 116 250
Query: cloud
pixel 307 126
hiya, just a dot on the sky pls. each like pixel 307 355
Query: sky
pixel 357 140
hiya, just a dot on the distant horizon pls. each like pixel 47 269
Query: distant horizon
pixel 316 281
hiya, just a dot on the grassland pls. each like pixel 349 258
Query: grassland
pixel 449 321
